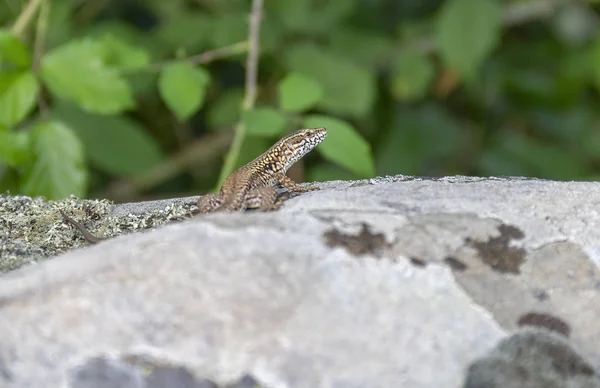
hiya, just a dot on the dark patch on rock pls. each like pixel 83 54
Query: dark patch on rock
pixel 418 262
pixel 5 372
pixel 159 374
pixel 532 358
pixel 101 372
pixel 497 252
pixel 455 264
pixel 547 321
pixel 175 377
pixel 362 243
pixel 245 381
pixel 541 295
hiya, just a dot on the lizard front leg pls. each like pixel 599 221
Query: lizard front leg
pixel 285 181
pixel 209 203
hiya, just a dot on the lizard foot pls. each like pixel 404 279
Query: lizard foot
pixel 288 183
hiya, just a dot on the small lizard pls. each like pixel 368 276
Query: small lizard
pixel 86 233
pixel 252 186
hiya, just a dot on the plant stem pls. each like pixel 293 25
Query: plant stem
pixel 25 18
pixel 207 56
pixel 40 39
pixel 250 92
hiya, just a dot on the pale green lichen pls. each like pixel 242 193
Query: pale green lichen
pixel 32 229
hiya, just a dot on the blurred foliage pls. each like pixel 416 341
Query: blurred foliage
pixel 132 99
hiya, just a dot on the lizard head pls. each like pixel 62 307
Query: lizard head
pixel 295 145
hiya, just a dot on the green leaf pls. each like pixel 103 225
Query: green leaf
pixel 15 148
pixel 13 51
pixel 298 92
pixel 58 169
pixel 348 89
pixel 114 144
pixel 183 88
pixel 18 95
pixel 120 54
pixel 265 122
pixel 77 71
pixel 343 145
pixel 467 32
pixel 411 76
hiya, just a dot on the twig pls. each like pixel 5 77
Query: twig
pixel 250 92
pixel 207 56
pixel 25 18
pixel 253 54
pixel 40 39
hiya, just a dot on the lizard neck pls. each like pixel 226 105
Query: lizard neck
pixel 287 151
pixel 281 156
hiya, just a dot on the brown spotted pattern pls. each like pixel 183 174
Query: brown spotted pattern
pixel 252 185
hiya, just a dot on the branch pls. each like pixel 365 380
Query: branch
pixel 250 92
pixel 207 56
pixel 40 39
pixel 25 18
pixel 253 53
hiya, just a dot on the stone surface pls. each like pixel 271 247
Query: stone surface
pixel 32 229
pixel 531 359
pixel 390 282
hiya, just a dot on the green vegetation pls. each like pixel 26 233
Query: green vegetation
pixel 151 98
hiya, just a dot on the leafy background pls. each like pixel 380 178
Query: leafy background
pixel 139 99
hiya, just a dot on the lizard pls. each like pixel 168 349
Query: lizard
pixel 252 186
pixel 86 233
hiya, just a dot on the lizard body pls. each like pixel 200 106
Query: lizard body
pixel 86 233
pixel 252 186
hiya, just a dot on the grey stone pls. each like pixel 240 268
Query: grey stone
pixel 532 359
pixel 100 372
pixel 388 282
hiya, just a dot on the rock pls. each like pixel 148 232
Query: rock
pixel 532 359
pixel 390 282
